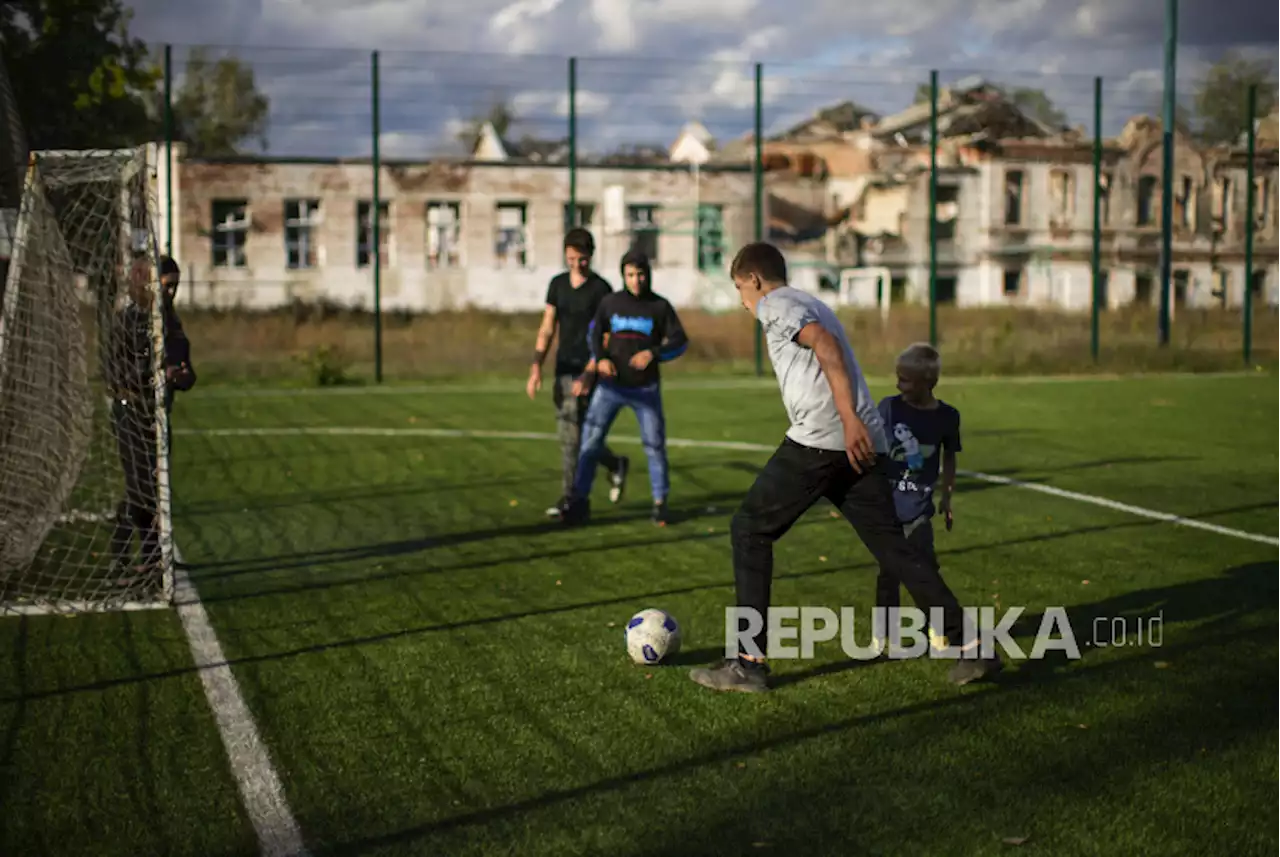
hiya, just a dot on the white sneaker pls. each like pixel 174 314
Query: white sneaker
pixel 618 480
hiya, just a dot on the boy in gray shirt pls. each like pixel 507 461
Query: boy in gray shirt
pixel 835 448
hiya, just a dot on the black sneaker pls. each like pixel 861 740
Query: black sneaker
pixel 659 515
pixel 556 511
pixel 618 480
pixel 576 512
pixel 733 674
pixel 974 669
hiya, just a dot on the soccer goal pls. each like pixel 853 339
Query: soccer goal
pixel 80 453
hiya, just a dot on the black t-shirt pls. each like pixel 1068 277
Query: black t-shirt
pixel 574 310
pixel 634 324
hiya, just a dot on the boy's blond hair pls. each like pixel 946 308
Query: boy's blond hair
pixel 922 359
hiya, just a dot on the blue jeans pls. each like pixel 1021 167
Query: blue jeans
pixel 607 401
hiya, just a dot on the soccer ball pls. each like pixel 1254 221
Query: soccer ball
pixel 651 636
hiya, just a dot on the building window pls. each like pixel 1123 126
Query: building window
pixel 364 232
pixel 1142 287
pixel 1222 204
pixel 230 233
pixel 584 215
pixel 1261 201
pixel 1104 197
pixel 946 211
pixel 1012 282
pixel 1062 191
pixel 510 234
pixel 1146 200
pixel 643 220
pixel 1223 290
pixel 1104 284
pixel 444 228
pixel 710 237
pixel 300 218
pixel 1184 203
pixel 1013 197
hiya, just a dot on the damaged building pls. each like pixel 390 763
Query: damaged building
pixel 1014 207
pixel 482 232
pixel 846 195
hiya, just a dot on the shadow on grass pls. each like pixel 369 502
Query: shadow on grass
pixel 683 513
pixel 1193 604
pixel 642 542
pixel 1034 764
pixel 1125 621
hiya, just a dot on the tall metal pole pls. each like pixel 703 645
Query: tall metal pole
pixel 1166 195
pixel 1097 217
pixel 933 208
pixel 168 150
pixel 759 195
pixel 573 142
pixel 375 217
pixel 1250 221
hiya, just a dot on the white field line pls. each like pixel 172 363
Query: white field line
pixel 260 788
pixel 355 431
pixel 516 387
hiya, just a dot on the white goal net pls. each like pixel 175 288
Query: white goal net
pixel 84 511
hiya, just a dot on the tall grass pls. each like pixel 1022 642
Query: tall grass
pixel 325 345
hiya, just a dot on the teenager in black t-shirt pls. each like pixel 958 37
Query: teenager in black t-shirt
pixel 572 300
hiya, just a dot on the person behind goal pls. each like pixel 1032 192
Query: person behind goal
pixel 133 416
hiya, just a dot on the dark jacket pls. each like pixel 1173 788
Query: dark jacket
pixel 626 324
pixel 129 369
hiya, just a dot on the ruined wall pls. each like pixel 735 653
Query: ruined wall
pixel 479 279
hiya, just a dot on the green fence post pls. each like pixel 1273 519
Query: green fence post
pixel 1166 193
pixel 376 237
pixel 1249 223
pixel 573 142
pixel 1097 217
pixel 168 150
pixel 759 195
pixel 933 208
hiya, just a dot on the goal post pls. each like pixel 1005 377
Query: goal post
pixel 85 517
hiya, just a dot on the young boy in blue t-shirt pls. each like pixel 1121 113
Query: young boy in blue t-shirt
pixel 924 437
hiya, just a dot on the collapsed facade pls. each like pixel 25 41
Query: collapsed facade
pixel 1014 207
pixel 846 194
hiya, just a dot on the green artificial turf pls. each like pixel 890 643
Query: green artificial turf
pixel 435 669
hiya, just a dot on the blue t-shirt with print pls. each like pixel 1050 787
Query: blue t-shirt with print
pixel 916 439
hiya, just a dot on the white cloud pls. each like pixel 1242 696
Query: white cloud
pixel 516 27
pixel 650 65
pixel 541 103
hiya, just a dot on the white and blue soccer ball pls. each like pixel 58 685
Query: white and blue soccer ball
pixel 652 635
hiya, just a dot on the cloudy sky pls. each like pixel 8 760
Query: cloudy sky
pixel 647 66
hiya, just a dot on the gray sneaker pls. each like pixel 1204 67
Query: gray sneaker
pixel 733 675
pixel 974 669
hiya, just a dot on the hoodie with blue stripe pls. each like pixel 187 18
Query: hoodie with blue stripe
pixel 626 324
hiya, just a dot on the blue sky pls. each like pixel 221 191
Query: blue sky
pixel 649 65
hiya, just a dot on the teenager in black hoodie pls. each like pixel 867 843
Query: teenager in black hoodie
pixel 634 330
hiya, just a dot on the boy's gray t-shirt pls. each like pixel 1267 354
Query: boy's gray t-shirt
pixel 806 392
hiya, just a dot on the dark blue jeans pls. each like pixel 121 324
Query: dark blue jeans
pixel 606 402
